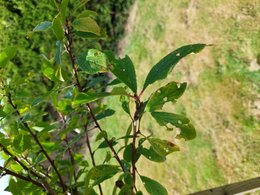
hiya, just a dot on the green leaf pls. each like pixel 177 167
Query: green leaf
pixel 167 93
pixel 87 13
pixel 125 190
pixel 163 147
pixel 47 68
pixel 104 114
pixel 128 153
pixel 124 70
pixel 22 143
pixel 153 187
pixel 58 28
pixel 86 24
pixel 58 74
pixel 58 56
pixel 2 113
pixel 83 98
pixel 7 54
pixel 151 155
pixel 103 144
pixel 93 61
pixel 187 131
pixel 165 65
pixel 100 173
pixel 102 134
pixel 90 35
pixel 63 9
pixel 127 134
pixel 43 26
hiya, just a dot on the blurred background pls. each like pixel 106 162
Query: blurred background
pixel 222 99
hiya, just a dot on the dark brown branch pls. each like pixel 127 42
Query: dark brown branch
pixel 9 172
pixel 91 154
pixel 69 49
pixel 64 188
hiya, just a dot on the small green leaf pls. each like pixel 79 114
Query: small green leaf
pixel 153 187
pixel 58 28
pixel 151 155
pixel 125 190
pixel 63 9
pixel 100 173
pixel 127 134
pixel 2 113
pixel 104 114
pixel 86 24
pixel 43 26
pixel 7 54
pixel 58 56
pixel 163 147
pixel 87 13
pixel 47 68
pixel 124 70
pixel 102 134
pixel 167 93
pixel 83 98
pixel 58 74
pixel 165 65
pixel 104 144
pixel 128 155
pixel 187 131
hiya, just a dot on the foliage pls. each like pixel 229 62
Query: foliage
pixel 42 131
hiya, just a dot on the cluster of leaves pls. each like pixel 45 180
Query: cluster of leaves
pixel 40 149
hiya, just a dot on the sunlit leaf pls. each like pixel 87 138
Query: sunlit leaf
pixel 47 68
pixel 58 28
pixel 187 131
pixel 167 93
pixel 160 70
pixel 153 187
pixel 163 147
pixel 86 24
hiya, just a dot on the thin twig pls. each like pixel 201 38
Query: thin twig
pixel 9 172
pixel 69 49
pixel 64 187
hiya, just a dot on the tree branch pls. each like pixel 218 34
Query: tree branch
pixel 9 172
pixel 64 188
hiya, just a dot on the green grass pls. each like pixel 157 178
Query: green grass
pixel 222 93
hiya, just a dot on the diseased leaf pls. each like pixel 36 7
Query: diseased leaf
pixel 86 24
pixel 93 61
pixel 167 93
pixel 151 155
pixel 160 70
pixel 124 70
pixel 153 187
pixel 43 26
pixel 100 173
pixel 163 147
pixel 187 131
pixel 58 28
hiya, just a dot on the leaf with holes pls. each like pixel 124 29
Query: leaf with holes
pixel 187 131
pixel 93 61
pixel 167 93
pixel 151 155
pixel 160 70
pixel 163 147
pixel 124 70
pixel 153 187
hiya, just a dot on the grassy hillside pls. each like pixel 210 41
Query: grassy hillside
pixel 222 98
